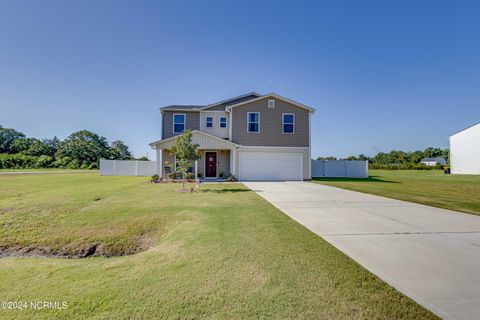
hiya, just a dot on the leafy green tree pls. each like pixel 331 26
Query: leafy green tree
pixel 407 160
pixel 21 145
pixel 38 148
pixel 186 153
pixel 143 159
pixel 7 138
pixel 119 151
pixel 53 145
pixel 84 149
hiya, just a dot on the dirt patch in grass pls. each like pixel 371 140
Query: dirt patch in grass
pixel 68 252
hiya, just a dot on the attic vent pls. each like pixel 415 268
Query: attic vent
pixel 271 104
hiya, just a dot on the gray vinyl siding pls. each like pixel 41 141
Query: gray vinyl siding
pixel 192 122
pixel 270 125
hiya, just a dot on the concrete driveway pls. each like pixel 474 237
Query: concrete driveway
pixel 431 255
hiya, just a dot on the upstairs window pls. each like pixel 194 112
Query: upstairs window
pixel 209 123
pixel 288 123
pixel 223 122
pixel 178 123
pixel 253 122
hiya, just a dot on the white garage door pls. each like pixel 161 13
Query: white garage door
pixel 270 166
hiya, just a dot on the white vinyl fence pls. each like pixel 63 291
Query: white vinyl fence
pixel 339 169
pixel 126 168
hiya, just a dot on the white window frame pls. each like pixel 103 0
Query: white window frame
pixel 283 123
pixel 206 122
pixel 220 122
pixel 248 122
pixel 184 122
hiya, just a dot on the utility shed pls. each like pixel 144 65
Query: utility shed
pixel 465 150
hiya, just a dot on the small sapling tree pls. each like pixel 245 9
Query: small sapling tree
pixel 186 153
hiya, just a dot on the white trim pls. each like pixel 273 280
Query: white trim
pixel 230 126
pixel 298 104
pixel 184 122
pixel 301 166
pixel 220 121
pixel 206 121
pixel 205 164
pixel 248 122
pixel 283 122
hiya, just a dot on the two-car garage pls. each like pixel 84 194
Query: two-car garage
pixel 264 166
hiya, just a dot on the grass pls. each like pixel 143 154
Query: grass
pixel 220 253
pixel 432 187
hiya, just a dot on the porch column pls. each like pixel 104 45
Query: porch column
pixel 234 162
pixel 196 169
pixel 231 162
pixel 158 164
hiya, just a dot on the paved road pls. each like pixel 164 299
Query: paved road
pixel 431 255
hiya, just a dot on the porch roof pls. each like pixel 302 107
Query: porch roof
pixel 202 139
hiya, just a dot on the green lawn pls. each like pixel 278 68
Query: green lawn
pixel 222 252
pixel 456 192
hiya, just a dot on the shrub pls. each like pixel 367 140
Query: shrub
pixel 44 162
pixel 17 161
pixel 231 178
pixel 61 162
pixel 189 176
pixel 154 178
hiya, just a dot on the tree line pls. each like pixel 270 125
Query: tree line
pixel 80 150
pixel 397 159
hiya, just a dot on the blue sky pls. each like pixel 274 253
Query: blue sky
pixel 382 74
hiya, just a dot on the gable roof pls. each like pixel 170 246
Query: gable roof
pixel 473 125
pixel 272 95
pixel 180 107
pixel 177 107
pixel 166 143
pixel 243 97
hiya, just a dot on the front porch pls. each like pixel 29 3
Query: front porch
pixel 217 157
pixel 213 164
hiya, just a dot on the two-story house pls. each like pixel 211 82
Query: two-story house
pixel 253 137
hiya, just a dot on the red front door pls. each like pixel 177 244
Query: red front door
pixel 210 164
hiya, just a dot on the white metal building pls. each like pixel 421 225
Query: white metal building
pixel 465 150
